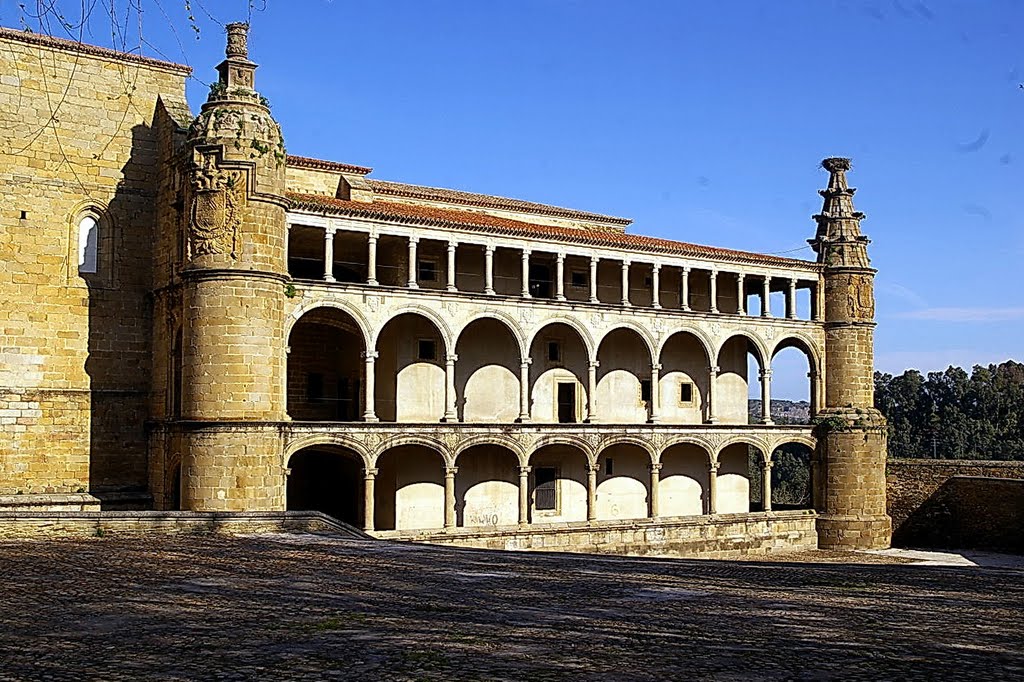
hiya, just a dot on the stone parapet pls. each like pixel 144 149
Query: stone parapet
pixel 36 524
pixel 723 536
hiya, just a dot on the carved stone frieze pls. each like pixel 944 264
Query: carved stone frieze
pixel 218 201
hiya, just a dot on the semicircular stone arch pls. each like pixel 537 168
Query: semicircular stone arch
pixel 440 324
pixel 412 439
pixel 326 440
pixel 510 322
pixel 569 321
pixel 300 311
pixel 491 439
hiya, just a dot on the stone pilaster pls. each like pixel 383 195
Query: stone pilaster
pixel 850 458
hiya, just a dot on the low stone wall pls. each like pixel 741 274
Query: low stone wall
pixel 49 502
pixel 23 525
pixel 719 537
pixel 957 504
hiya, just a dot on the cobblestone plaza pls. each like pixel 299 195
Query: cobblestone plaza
pixel 314 607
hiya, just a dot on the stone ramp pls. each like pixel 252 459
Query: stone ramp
pixel 48 524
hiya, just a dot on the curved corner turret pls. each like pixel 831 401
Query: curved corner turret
pixel 850 487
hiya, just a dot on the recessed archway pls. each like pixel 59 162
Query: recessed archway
pixel 329 479
pixel 794 380
pixel 487 372
pixel 410 370
pixel 684 379
pixel 683 489
pixel 487 486
pixel 409 489
pixel 325 367
pixel 558 375
pixel 623 482
pixel 733 480
pixel 738 358
pixel 624 377
pixel 558 484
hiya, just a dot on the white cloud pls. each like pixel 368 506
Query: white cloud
pixel 903 293
pixel 963 314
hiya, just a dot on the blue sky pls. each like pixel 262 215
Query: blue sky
pixel 703 122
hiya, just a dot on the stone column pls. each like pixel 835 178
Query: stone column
pixel 655 484
pixel 524 390
pixel 713 371
pixel 329 255
pixel 449 496
pixel 791 300
pixel 713 291
pixel 593 278
pixel 591 492
pixel 489 270
pixel 450 412
pixel 684 290
pixel 559 276
pixel 369 477
pixel 370 413
pixel 655 393
pixel 451 266
pixel 371 261
pixel 819 301
pixel 741 294
pixel 592 391
pixel 413 242
pixel 766 301
pixel 812 378
pixel 713 488
pixel 526 273
pixel 625 282
pixel 766 396
pixel 766 485
pixel 656 286
pixel 524 495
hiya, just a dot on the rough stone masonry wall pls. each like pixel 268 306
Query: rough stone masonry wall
pixel 965 504
pixel 74 352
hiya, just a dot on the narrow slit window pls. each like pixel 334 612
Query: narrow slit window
pixel 88 244
pixel 645 390
pixel 554 351
pixel 608 468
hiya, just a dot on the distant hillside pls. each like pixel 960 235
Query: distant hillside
pixel 783 411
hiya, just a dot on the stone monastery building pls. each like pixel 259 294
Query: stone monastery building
pixel 194 320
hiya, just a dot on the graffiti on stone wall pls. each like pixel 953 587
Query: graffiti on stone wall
pixel 218 197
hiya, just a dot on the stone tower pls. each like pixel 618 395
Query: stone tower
pixel 233 283
pixel 850 488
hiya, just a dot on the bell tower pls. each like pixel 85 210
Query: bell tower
pixel 850 490
pixel 233 281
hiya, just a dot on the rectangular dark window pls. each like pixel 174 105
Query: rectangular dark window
pixel 645 390
pixel 554 351
pixel 686 392
pixel 566 403
pixel 540 280
pixel 608 468
pixel 315 387
pixel 427 271
pixel 426 349
pixel 545 490
pixel 578 279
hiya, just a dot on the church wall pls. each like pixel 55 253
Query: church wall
pixel 74 369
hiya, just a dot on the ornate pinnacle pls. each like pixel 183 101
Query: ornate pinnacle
pixel 238 37
pixel 838 240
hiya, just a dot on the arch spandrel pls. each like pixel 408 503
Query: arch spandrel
pixel 429 314
pixel 327 439
pixel 509 323
pixel 311 305
pixel 576 325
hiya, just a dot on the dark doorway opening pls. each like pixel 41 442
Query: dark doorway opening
pixel 566 403
pixel 540 280
pixel 544 489
pixel 329 480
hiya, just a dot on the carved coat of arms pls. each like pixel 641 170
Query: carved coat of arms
pixel 218 198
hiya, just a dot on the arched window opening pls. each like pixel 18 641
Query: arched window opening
pixel 792 389
pixel 88 244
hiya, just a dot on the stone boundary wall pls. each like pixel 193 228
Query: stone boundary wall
pixel 722 536
pixel 957 504
pixel 27 525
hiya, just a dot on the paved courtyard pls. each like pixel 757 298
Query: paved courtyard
pixel 311 607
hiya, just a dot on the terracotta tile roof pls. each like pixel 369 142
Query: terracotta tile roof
pixel 440 217
pixel 93 50
pixel 319 164
pixel 452 196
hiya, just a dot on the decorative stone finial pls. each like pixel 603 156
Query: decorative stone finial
pixel 238 38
